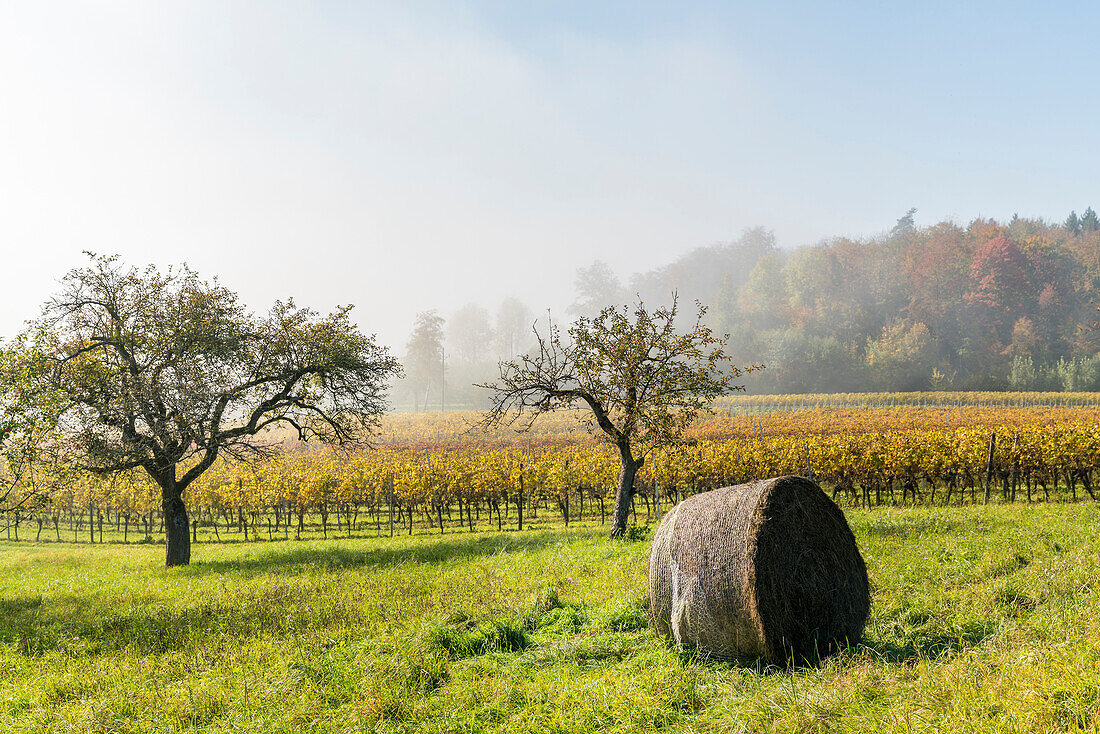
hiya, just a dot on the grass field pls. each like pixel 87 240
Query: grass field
pixel 984 619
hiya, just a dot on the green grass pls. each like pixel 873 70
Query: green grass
pixel 984 619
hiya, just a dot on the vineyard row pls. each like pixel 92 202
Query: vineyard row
pixel 314 493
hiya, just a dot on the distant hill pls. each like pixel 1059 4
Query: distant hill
pixel 985 306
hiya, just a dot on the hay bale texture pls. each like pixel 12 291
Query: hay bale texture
pixel 768 569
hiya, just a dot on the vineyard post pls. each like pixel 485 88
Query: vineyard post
pixel 436 498
pixel 532 504
pixel 989 466
pixel 519 500
pixel 530 510
pixel 389 485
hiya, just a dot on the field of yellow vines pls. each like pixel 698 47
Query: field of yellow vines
pixel 428 467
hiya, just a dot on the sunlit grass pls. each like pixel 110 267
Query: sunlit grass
pixel 983 619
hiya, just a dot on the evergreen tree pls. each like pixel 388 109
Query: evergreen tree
pixel 1089 221
pixel 905 225
pixel 1072 223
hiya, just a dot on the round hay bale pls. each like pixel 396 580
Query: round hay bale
pixel 768 569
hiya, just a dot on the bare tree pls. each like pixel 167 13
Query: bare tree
pixel 164 372
pixel 643 381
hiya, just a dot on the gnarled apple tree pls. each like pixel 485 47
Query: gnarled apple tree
pixel 163 372
pixel 643 380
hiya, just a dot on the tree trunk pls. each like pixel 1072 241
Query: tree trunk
pixel 519 504
pixel 625 492
pixel 176 530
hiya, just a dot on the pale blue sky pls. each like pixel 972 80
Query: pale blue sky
pixel 412 155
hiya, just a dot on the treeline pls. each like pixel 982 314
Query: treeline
pixel 982 306
pixel 985 306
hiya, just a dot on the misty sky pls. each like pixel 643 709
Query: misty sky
pixel 411 155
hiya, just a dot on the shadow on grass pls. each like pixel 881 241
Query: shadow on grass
pixel 928 646
pixel 337 558
pixel 695 657
pixel 761 666
pixel 86 625
pixel 922 647
pixel 19 605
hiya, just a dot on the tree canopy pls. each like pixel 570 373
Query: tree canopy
pixel 162 372
pixel 642 379
pixel 25 426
